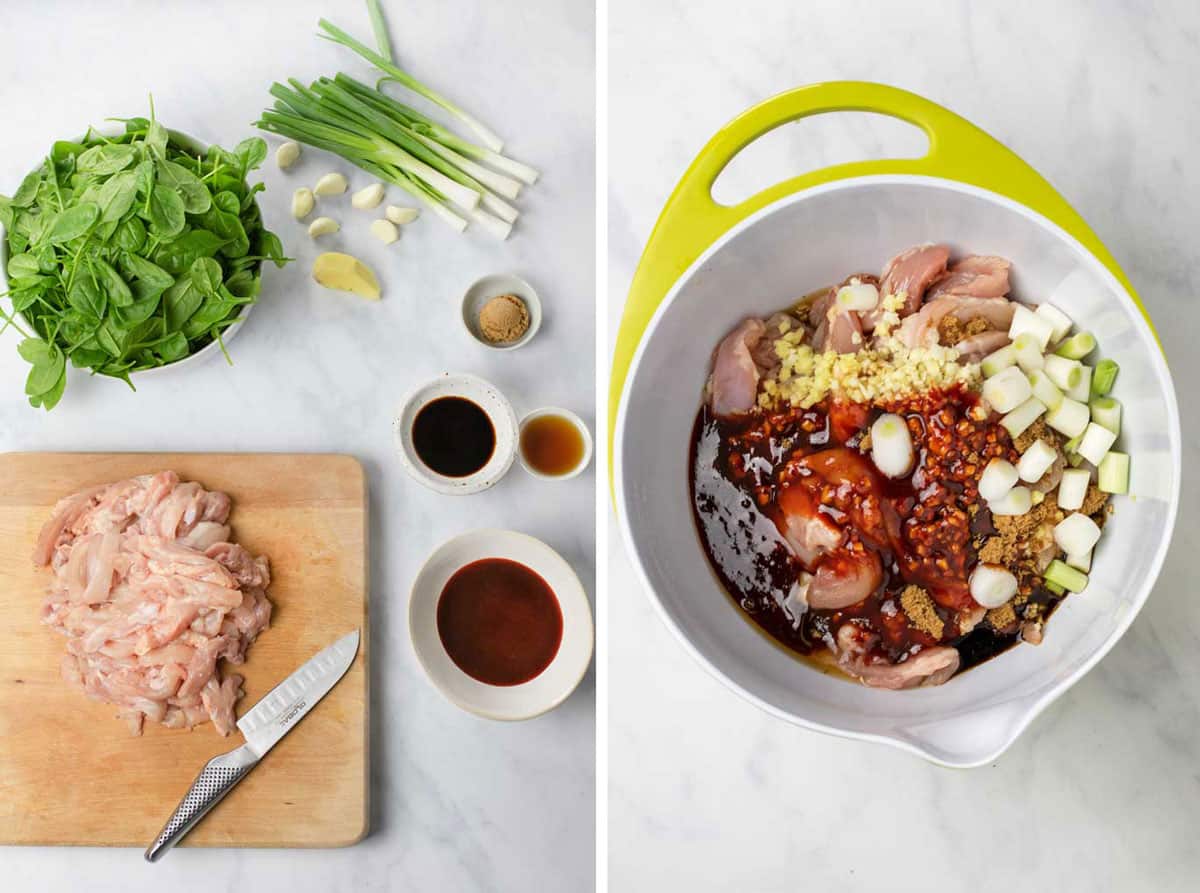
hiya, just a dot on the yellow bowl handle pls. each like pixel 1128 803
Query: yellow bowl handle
pixel 692 220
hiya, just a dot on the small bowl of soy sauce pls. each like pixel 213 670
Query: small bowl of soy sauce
pixel 457 434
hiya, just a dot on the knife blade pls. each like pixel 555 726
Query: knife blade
pixel 276 714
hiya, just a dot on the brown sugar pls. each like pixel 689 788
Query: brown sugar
pixel 952 330
pixel 1094 501
pixel 1039 430
pixel 1003 618
pixel 921 611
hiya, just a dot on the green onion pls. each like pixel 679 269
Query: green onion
pixel 380 28
pixel 1061 574
pixel 1107 412
pixel 337 35
pixel 997 361
pixel 1104 377
pixel 1055 588
pixel 1077 346
pixel 1113 473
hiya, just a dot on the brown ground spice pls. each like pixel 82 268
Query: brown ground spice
pixel 952 330
pixel 922 613
pixel 1039 430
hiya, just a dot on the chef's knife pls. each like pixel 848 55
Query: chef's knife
pixel 270 719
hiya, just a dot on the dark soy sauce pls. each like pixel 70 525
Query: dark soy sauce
pixel 453 436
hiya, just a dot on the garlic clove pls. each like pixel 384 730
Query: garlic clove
pixel 287 155
pixel 401 216
pixel 302 203
pixel 368 198
pixel 331 184
pixel 385 231
pixel 323 226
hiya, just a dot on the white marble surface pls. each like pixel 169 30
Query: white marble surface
pixel 459 803
pixel 1102 792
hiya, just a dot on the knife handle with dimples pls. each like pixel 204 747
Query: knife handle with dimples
pixel 215 780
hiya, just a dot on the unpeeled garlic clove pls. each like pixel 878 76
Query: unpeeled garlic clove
pixel 323 226
pixel 401 216
pixel 366 199
pixel 302 203
pixel 385 231
pixel 287 155
pixel 331 184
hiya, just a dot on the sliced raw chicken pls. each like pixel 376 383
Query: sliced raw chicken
pixel 151 596
pixel 844 579
pixel 928 667
pixel 910 273
pixel 974 348
pixel 810 533
pixel 975 276
pixel 733 385
pixel 921 329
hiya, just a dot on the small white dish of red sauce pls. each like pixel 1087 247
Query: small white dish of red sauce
pixel 501 624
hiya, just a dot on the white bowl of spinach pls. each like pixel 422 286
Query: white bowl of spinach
pixel 131 253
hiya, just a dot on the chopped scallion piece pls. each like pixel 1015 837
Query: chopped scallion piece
pixel 1062 574
pixel 1113 474
pixel 1104 377
pixel 1107 412
pixel 1077 346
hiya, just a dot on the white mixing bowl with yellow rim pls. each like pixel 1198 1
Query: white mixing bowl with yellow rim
pixel 708 266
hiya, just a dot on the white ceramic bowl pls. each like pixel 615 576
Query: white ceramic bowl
pixel 209 350
pixel 804 242
pixel 480 392
pixel 580 426
pixel 508 702
pixel 483 290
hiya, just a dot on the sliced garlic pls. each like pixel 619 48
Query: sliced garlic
pixel 331 184
pixel 366 199
pixel 385 231
pixel 302 203
pixel 286 155
pixel 323 226
pixel 400 216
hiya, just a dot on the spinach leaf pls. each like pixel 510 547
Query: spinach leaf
pixel 116 196
pixel 178 256
pixel 181 301
pixel 166 212
pixel 106 159
pixel 73 222
pixel 86 297
pixel 110 282
pixel 137 312
pixel 270 247
pixel 130 235
pixel 206 276
pixel 250 153
pixel 27 191
pixel 195 195
pixel 20 265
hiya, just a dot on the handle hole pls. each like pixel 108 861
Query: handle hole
pixel 812 143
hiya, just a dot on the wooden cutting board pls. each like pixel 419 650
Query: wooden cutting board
pixel 70 772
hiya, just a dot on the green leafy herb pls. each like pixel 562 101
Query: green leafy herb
pixel 129 253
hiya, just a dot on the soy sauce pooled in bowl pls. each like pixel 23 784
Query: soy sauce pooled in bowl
pixel 499 621
pixel 453 436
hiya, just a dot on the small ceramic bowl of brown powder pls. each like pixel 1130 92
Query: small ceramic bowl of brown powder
pixel 502 311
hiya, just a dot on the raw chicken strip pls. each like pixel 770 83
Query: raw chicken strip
pixel 910 273
pixel 733 386
pixel 151 596
pixel 976 276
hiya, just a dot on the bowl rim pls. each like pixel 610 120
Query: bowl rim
pixel 112 128
pixel 573 603
pixel 1058 688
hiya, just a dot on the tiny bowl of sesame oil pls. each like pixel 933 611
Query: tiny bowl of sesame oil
pixel 555 444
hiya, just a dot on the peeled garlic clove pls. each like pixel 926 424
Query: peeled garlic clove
pixel 401 216
pixel 385 231
pixel 286 155
pixel 302 203
pixel 366 199
pixel 323 226
pixel 331 184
